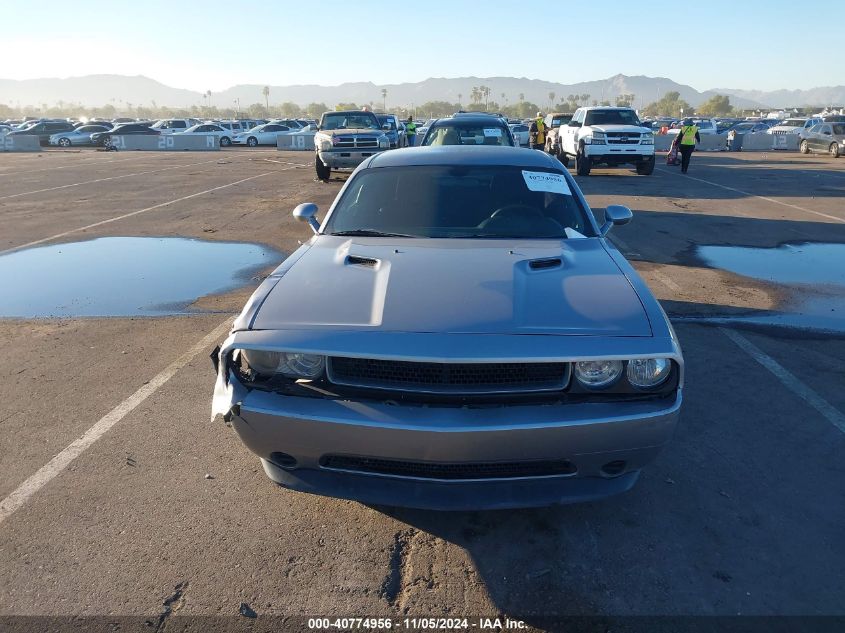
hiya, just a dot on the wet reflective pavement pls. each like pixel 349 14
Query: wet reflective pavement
pixel 813 273
pixel 125 276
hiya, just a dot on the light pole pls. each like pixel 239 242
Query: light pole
pixel 237 101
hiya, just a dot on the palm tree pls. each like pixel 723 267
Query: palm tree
pixel 208 94
pixel 266 92
pixel 384 98
pixel 486 92
pixel 551 100
pixel 459 100
pixel 522 96
pixel 476 94
pixel 584 98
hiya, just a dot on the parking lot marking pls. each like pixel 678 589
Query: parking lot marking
pixel 666 281
pixel 98 160
pixel 48 472
pixel 90 182
pixel 831 413
pixel 129 215
pixel 745 193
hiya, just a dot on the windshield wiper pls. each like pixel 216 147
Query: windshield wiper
pixel 369 233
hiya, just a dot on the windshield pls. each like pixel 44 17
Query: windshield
pixel 611 117
pixel 347 121
pixel 793 123
pixel 387 119
pixel 441 201
pixel 467 134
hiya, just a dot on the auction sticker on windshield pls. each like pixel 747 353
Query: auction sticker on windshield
pixel 492 131
pixel 545 181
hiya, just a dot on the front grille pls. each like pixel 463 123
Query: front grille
pixel 352 142
pixel 623 138
pixel 449 471
pixel 452 378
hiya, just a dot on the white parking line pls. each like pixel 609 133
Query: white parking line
pixel 48 472
pixel 831 413
pixel 745 193
pixel 91 182
pixel 129 215
pixel 86 162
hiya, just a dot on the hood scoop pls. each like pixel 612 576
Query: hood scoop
pixel 357 260
pixel 545 264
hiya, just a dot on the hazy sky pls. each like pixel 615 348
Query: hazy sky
pixel 214 44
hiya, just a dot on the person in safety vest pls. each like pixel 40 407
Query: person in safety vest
pixel 537 133
pixel 687 138
pixel 411 131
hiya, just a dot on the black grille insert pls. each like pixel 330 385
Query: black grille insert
pixel 449 471
pixel 454 378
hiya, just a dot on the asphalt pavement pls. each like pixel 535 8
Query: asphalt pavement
pixel 159 514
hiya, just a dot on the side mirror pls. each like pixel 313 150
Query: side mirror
pixel 307 211
pixel 615 214
pixel 386 127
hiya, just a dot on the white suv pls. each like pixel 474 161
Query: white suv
pixel 169 126
pixel 608 136
pixel 799 126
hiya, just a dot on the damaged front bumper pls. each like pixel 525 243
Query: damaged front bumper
pixel 384 452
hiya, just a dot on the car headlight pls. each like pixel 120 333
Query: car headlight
pixel 290 364
pixel 647 139
pixel 646 373
pixel 383 142
pixel 324 144
pixel 598 138
pixel 598 374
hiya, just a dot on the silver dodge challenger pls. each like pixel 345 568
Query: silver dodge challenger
pixel 458 334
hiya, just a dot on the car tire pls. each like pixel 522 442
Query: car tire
pixel 106 142
pixel 833 150
pixel 804 147
pixel 646 167
pixel 582 164
pixel 225 141
pixel 323 172
pixel 64 142
pixel 252 141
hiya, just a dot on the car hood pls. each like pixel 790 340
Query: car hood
pixel 350 132
pixel 455 286
pixel 621 128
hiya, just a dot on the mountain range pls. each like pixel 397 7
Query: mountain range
pixel 120 90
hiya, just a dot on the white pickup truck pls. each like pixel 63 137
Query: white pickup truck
pixel 604 135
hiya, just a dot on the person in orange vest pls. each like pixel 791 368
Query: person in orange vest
pixel 537 133
pixel 687 138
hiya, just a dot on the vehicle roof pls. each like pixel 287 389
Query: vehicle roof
pixel 348 112
pixel 606 108
pixel 465 155
pixel 485 119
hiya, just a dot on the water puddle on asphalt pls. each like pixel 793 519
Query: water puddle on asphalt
pixel 124 276
pixel 813 273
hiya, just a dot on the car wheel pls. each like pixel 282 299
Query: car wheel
pixel 804 147
pixel 252 141
pixel 225 141
pixel 64 142
pixel 582 164
pixel 834 150
pixel 106 142
pixel 646 167
pixel 323 172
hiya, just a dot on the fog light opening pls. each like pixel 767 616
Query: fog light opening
pixel 283 460
pixel 614 468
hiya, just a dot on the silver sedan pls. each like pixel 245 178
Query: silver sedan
pixel 79 136
pixel 458 333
